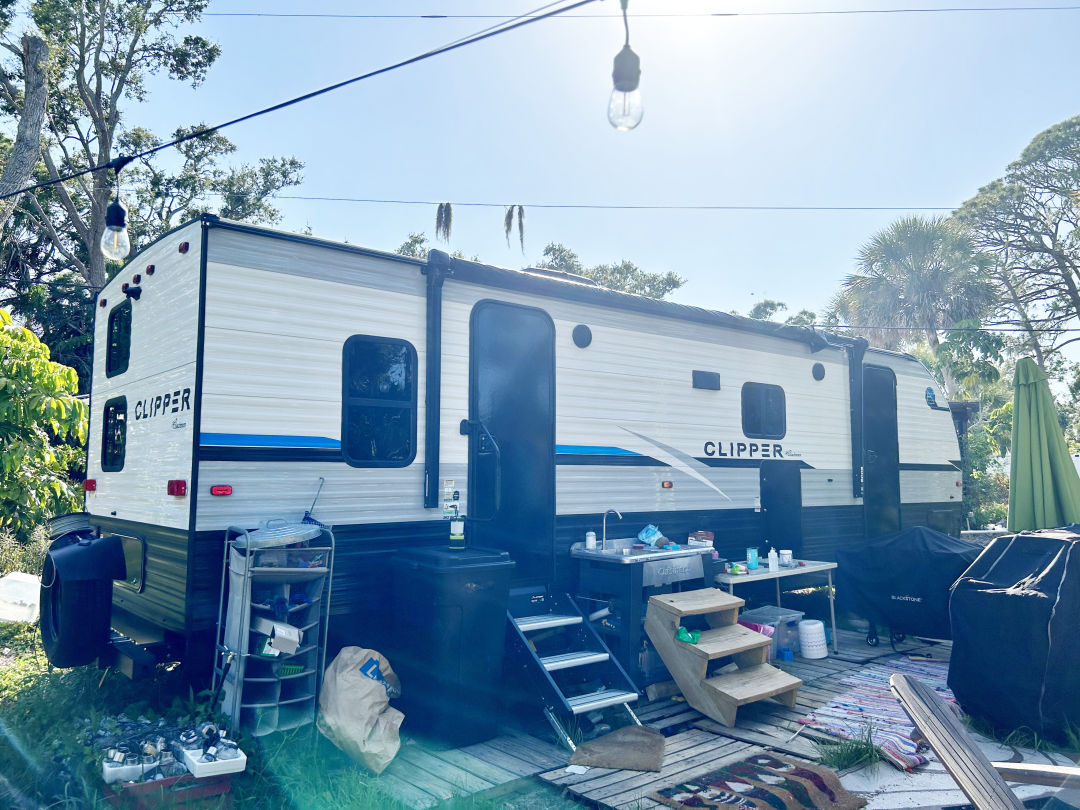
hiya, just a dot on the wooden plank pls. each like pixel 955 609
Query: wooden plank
pixel 488 771
pixel 504 760
pixel 404 791
pixel 690 758
pixel 446 771
pixel 753 683
pixel 953 745
pixel 719 642
pixel 544 746
pixel 688 716
pixel 429 783
pixel 677 745
pixel 695 603
pixel 539 760
pixel 1031 773
pixel 797 746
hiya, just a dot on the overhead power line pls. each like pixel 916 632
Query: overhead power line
pixel 626 206
pixel 487 33
pixel 667 15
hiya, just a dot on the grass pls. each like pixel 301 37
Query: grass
pixel 847 754
pixel 47 718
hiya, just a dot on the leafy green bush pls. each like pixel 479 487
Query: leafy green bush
pixel 23 555
pixel 42 430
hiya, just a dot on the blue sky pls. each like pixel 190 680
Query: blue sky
pixel 856 110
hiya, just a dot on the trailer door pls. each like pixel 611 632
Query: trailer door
pixel 881 456
pixel 511 430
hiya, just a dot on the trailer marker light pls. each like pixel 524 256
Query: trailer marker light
pixel 184 247
pixel 667 484
pixel 149 269
pixel 959 484
pixel 103 303
pixel 221 489
pixel 178 487
pixel 135 279
pixel 89 485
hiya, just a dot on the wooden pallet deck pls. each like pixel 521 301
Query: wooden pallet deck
pixel 423 776
pixel 695 744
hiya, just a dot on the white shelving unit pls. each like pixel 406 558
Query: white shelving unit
pixel 281 573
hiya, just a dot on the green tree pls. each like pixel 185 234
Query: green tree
pixel 1028 221
pixel 415 247
pixel 102 54
pixel 916 278
pixel 764 309
pixel 625 275
pixel 41 422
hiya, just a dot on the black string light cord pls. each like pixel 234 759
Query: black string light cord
pixel 118 163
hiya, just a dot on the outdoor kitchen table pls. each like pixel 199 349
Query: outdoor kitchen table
pixel 806 567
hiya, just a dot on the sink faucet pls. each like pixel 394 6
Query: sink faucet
pixel 603 543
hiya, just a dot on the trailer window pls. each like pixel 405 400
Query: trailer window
pixel 764 412
pixel 118 349
pixel 113 434
pixel 378 402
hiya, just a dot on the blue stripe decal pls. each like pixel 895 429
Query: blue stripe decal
pixel 589 450
pixel 265 440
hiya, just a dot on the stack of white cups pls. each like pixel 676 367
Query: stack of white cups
pixel 812 642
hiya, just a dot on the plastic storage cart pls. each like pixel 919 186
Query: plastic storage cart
pixel 272 624
pixel 450 615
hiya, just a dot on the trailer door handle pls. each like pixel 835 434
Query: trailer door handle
pixel 486 446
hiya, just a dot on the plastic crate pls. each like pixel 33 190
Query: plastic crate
pixel 785 624
pixel 176 791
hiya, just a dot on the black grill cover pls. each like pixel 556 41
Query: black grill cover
pixel 902 580
pixel 1016 649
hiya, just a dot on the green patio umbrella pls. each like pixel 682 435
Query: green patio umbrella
pixel 1044 489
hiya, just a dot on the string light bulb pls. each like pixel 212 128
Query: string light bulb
pixel 625 109
pixel 115 242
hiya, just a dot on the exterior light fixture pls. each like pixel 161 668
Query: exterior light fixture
pixel 115 242
pixel 624 107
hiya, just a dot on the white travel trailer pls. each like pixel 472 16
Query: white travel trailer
pixel 242 374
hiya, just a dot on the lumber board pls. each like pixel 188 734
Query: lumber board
pixel 797 746
pixel 696 603
pixel 954 746
pixel 446 771
pixel 486 770
pixel 404 791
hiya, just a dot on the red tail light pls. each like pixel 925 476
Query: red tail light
pixel 184 247
pixel 89 485
pixel 178 487
pixel 221 489
pixel 149 269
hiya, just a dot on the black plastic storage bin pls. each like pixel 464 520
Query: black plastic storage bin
pixel 450 620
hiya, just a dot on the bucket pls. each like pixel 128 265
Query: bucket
pixel 812 643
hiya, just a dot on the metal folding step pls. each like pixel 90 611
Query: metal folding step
pixel 567 667
pixel 592 701
pixel 573 659
pixel 543 622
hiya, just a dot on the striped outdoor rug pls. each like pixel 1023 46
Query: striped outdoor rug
pixel 868 704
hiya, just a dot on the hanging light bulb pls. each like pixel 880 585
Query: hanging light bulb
pixel 624 107
pixel 115 243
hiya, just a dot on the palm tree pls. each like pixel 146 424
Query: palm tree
pixel 920 275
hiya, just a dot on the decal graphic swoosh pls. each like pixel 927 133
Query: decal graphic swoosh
pixel 680 461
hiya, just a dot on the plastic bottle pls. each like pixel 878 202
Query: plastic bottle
pixel 774 560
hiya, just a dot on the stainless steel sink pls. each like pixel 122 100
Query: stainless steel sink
pixel 620 551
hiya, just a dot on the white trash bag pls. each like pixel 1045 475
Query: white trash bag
pixel 354 707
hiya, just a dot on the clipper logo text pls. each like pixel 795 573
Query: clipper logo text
pixel 169 402
pixel 743 450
